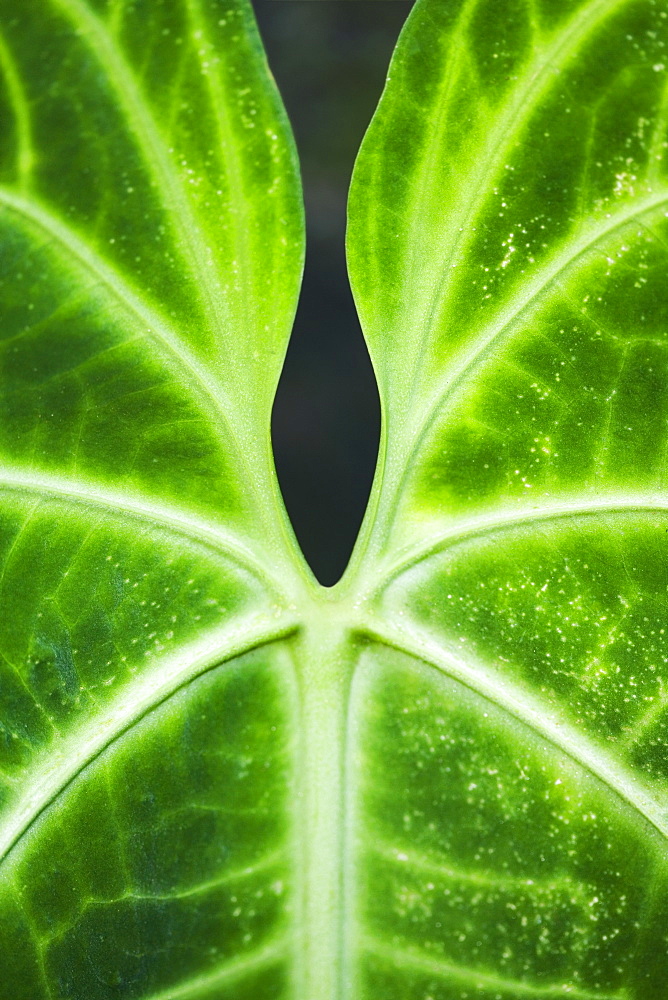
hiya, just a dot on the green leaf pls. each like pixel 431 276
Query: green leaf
pixel 151 244
pixel 152 249
pixel 447 777
pixel 508 249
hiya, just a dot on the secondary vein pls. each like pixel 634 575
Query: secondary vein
pixel 471 360
pixel 46 486
pixel 65 760
pixel 526 708
pixel 235 968
pixel 153 323
pixel 407 958
pixel 556 266
pixel 25 157
pixel 483 525
pixel 523 99
pixel 156 157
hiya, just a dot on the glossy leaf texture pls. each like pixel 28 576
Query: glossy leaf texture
pixel 151 246
pixel 151 240
pixel 508 249
pixel 446 778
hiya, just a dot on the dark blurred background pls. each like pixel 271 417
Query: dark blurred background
pixel 329 58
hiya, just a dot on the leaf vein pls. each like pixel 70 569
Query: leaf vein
pixel 490 522
pixel 153 323
pixel 471 360
pixel 66 759
pixel 411 959
pixel 233 969
pixel 91 494
pixel 25 156
pixel 523 99
pixel 527 709
pixel 151 142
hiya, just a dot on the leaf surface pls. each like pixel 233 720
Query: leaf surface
pixel 446 778
pixel 152 248
pixel 508 249
pixel 151 244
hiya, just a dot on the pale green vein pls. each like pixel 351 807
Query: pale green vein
pixel 354 772
pixel 121 841
pixel 17 674
pixel 601 454
pixel 524 98
pixel 17 891
pixel 186 225
pixel 485 347
pixel 568 508
pixel 234 168
pixel 17 540
pixel 235 968
pixel 115 17
pixel 25 157
pixel 585 199
pixel 534 21
pixel 153 323
pixel 119 503
pixel 647 719
pixel 410 860
pixel 547 723
pixel 411 960
pixel 95 902
pixel 557 265
pixel 260 867
pixel 55 769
